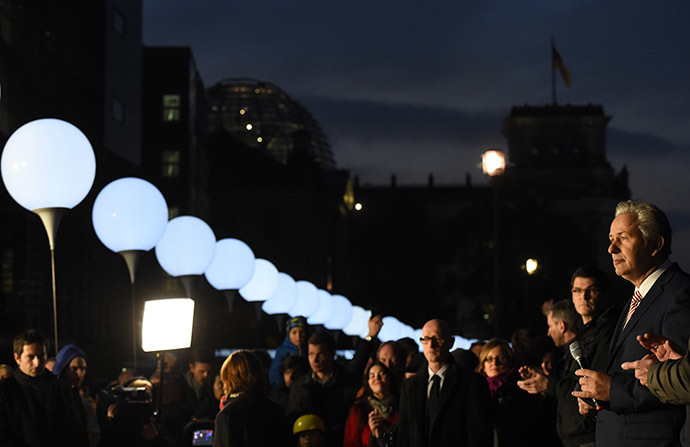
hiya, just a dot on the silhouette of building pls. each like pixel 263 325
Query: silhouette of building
pixel 433 247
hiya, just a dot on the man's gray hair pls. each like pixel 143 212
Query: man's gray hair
pixel 651 221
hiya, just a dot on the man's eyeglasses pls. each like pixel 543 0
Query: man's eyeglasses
pixel 427 340
pixel 591 290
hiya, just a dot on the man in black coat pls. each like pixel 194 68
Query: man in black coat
pixel 36 409
pixel 631 415
pixel 444 404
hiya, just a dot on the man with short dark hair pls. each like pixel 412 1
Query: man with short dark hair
pixel 36 409
pixel 443 404
pixel 328 391
pixel 631 415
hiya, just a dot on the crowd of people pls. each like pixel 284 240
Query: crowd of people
pixel 597 377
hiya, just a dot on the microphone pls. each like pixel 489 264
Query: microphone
pixel 576 352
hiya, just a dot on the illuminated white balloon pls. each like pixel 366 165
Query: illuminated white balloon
pixel 129 214
pixel 48 163
pixel 359 320
pixel 187 246
pixel 232 266
pixel 342 313
pixel 324 309
pixel 263 283
pixel 460 343
pixel 390 331
pixel 307 300
pixel 365 325
pixel 283 298
pixel 417 338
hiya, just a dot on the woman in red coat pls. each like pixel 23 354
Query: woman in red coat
pixel 380 395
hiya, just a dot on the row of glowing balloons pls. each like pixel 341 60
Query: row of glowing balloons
pixel 50 163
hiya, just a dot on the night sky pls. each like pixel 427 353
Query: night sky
pixel 415 88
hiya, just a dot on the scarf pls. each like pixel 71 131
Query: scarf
pixel 386 406
pixel 496 383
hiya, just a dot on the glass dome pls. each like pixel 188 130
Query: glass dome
pixel 262 115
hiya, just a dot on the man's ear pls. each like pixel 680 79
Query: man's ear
pixel 17 358
pixel 562 326
pixel 657 244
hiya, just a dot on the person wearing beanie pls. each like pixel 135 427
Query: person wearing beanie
pixel 70 367
pixel 295 343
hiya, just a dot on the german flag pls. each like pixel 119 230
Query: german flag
pixel 557 64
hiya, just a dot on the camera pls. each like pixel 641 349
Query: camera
pixel 134 406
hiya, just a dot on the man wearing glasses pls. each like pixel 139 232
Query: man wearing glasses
pixel 589 291
pixel 444 404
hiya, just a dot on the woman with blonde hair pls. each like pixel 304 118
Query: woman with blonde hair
pixel 520 418
pixel 248 417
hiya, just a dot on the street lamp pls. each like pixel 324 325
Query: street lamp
pixel 129 216
pixel 186 248
pixel 531 266
pixel 48 167
pixel 494 165
pixel 231 268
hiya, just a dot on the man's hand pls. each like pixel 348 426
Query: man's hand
pixel 594 384
pixel 375 325
pixel 641 367
pixel 583 407
pixel 660 346
pixel 535 381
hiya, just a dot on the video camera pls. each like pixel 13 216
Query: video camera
pixel 134 406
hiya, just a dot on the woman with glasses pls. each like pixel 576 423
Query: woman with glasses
pixel 519 416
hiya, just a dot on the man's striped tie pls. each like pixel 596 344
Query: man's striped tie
pixel 637 297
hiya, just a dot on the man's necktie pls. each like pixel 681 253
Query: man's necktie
pixel 432 401
pixel 637 297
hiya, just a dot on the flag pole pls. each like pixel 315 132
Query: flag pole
pixel 553 75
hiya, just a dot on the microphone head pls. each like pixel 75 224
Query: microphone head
pixel 576 350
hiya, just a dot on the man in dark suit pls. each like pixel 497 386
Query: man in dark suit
pixel 631 415
pixel 443 404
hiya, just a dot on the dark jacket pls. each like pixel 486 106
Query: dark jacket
pixel 464 417
pixel 251 420
pixel 634 416
pixel 38 412
pixel 594 338
pixel 330 401
pixel 275 373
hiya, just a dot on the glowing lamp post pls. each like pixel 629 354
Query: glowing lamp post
pixel 531 266
pixel 263 282
pixel 284 298
pixel 391 329
pixel 129 216
pixel 48 167
pixel 186 248
pixel 324 310
pixel 494 165
pixel 358 323
pixel 231 268
pixel 493 162
pixel 307 300
pixel 342 313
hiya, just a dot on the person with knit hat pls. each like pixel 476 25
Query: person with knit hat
pixel 70 367
pixel 295 343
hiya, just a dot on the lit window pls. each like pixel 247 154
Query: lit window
pixel 170 164
pixel 171 107
pixel 118 110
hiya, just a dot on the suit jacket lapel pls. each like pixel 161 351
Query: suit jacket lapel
pixel 420 392
pixel 621 333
